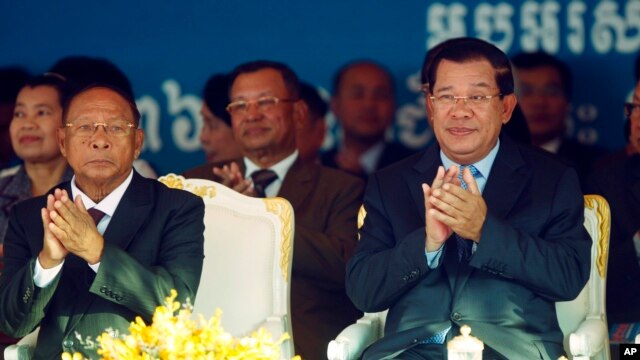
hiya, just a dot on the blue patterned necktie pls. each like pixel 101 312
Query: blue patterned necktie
pixel 464 245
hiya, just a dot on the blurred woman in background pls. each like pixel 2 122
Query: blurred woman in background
pixel 36 119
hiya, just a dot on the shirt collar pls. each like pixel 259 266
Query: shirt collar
pixel 369 159
pixel 483 166
pixel 281 168
pixel 107 205
pixel 553 145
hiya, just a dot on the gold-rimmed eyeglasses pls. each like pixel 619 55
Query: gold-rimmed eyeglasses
pixel 472 100
pixel 631 109
pixel 264 104
pixel 88 128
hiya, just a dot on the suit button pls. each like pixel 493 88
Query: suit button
pixel 456 316
pixel 405 278
pixel 68 343
pixel 103 289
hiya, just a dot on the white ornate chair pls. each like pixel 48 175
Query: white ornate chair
pixel 247 267
pixel 23 350
pixel 583 320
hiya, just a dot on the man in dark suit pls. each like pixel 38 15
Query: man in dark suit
pixel 265 111
pixel 496 256
pixel 76 272
pixel 618 180
pixel 364 104
pixel 544 94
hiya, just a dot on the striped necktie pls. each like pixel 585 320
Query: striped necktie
pixel 464 245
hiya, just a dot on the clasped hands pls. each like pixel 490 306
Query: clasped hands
pixel 68 228
pixel 231 177
pixel 450 208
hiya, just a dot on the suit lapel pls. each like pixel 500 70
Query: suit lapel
pixel 425 171
pixel 508 175
pixel 130 215
pixel 296 185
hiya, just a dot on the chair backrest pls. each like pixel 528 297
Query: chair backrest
pixel 248 249
pixel 590 303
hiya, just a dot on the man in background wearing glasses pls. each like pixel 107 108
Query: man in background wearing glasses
pixel 493 246
pixel 76 272
pixel 266 111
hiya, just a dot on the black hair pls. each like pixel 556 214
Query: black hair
pixel 82 71
pixel 53 80
pixel 339 75
pixel 12 79
pixel 216 96
pixel 126 96
pixel 461 50
pixel 538 59
pixel 288 76
pixel 314 101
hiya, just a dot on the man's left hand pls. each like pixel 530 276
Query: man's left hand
pixel 75 228
pixel 463 210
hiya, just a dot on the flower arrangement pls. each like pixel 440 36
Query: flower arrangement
pixel 173 334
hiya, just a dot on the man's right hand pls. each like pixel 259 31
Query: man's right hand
pixel 436 231
pixel 232 177
pixel 53 252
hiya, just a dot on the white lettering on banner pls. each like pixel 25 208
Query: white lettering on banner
pixel 411 116
pixel 615 27
pixel 150 122
pixel 540 25
pixel 610 29
pixel 575 22
pixel 445 22
pixel 185 128
pixel 495 20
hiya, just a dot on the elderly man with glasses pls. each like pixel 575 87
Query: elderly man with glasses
pixel 266 111
pixel 476 230
pixel 76 272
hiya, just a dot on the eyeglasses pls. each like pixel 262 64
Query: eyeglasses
pixel 473 100
pixel 88 128
pixel 631 109
pixel 264 104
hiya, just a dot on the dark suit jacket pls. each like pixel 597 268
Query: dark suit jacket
pixel 391 153
pixel 533 252
pixel 580 156
pixel 325 203
pixel 154 243
pixel 618 180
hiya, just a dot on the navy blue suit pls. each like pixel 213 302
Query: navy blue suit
pixel 533 251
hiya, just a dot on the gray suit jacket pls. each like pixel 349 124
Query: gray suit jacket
pixel 533 252
pixel 154 243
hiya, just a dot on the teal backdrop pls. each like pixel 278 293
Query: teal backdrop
pixel 169 48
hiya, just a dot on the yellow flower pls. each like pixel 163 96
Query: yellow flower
pixel 174 335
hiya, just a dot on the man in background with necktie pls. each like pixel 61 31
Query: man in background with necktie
pixel 266 110
pixel 475 230
pixel 76 272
